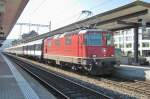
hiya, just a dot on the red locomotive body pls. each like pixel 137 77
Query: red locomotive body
pixel 90 49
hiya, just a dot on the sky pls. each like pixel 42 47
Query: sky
pixel 60 13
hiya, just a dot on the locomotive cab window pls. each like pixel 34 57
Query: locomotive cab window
pixel 93 39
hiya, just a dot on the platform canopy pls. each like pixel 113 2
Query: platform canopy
pixel 110 20
pixel 10 11
pixel 115 19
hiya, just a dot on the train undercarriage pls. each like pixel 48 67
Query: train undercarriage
pixel 90 66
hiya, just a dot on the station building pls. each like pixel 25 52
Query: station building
pixel 124 39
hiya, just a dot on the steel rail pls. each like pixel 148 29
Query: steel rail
pixel 66 88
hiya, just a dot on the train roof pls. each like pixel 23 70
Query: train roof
pixel 87 30
pixel 79 31
pixel 25 44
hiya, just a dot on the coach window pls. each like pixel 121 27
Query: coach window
pixel 36 46
pixel 32 47
pixel 39 46
pixel 25 47
pixel 68 40
pixel 28 47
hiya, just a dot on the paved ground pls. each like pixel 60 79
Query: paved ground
pixel 133 72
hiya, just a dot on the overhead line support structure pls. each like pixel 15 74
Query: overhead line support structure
pixel 30 24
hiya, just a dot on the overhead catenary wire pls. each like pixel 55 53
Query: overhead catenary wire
pixel 79 13
pixel 75 16
pixel 38 7
pixel 101 4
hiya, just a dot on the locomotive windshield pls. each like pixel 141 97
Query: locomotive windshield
pixel 93 39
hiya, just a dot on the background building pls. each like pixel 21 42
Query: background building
pixel 124 39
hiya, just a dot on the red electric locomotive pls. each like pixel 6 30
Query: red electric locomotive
pixel 90 49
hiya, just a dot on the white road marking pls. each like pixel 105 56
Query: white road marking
pixel 25 87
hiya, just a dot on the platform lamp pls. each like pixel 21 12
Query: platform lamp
pixel 2 36
pixel 2 11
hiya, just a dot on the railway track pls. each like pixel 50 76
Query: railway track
pixel 61 87
pixel 137 87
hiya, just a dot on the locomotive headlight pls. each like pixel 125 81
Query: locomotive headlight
pixel 104 50
pixel 112 55
pixel 93 55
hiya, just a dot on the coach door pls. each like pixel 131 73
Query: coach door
pixel 80 46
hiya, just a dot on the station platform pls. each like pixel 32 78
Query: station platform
pixel 133 72
pixel 17 84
